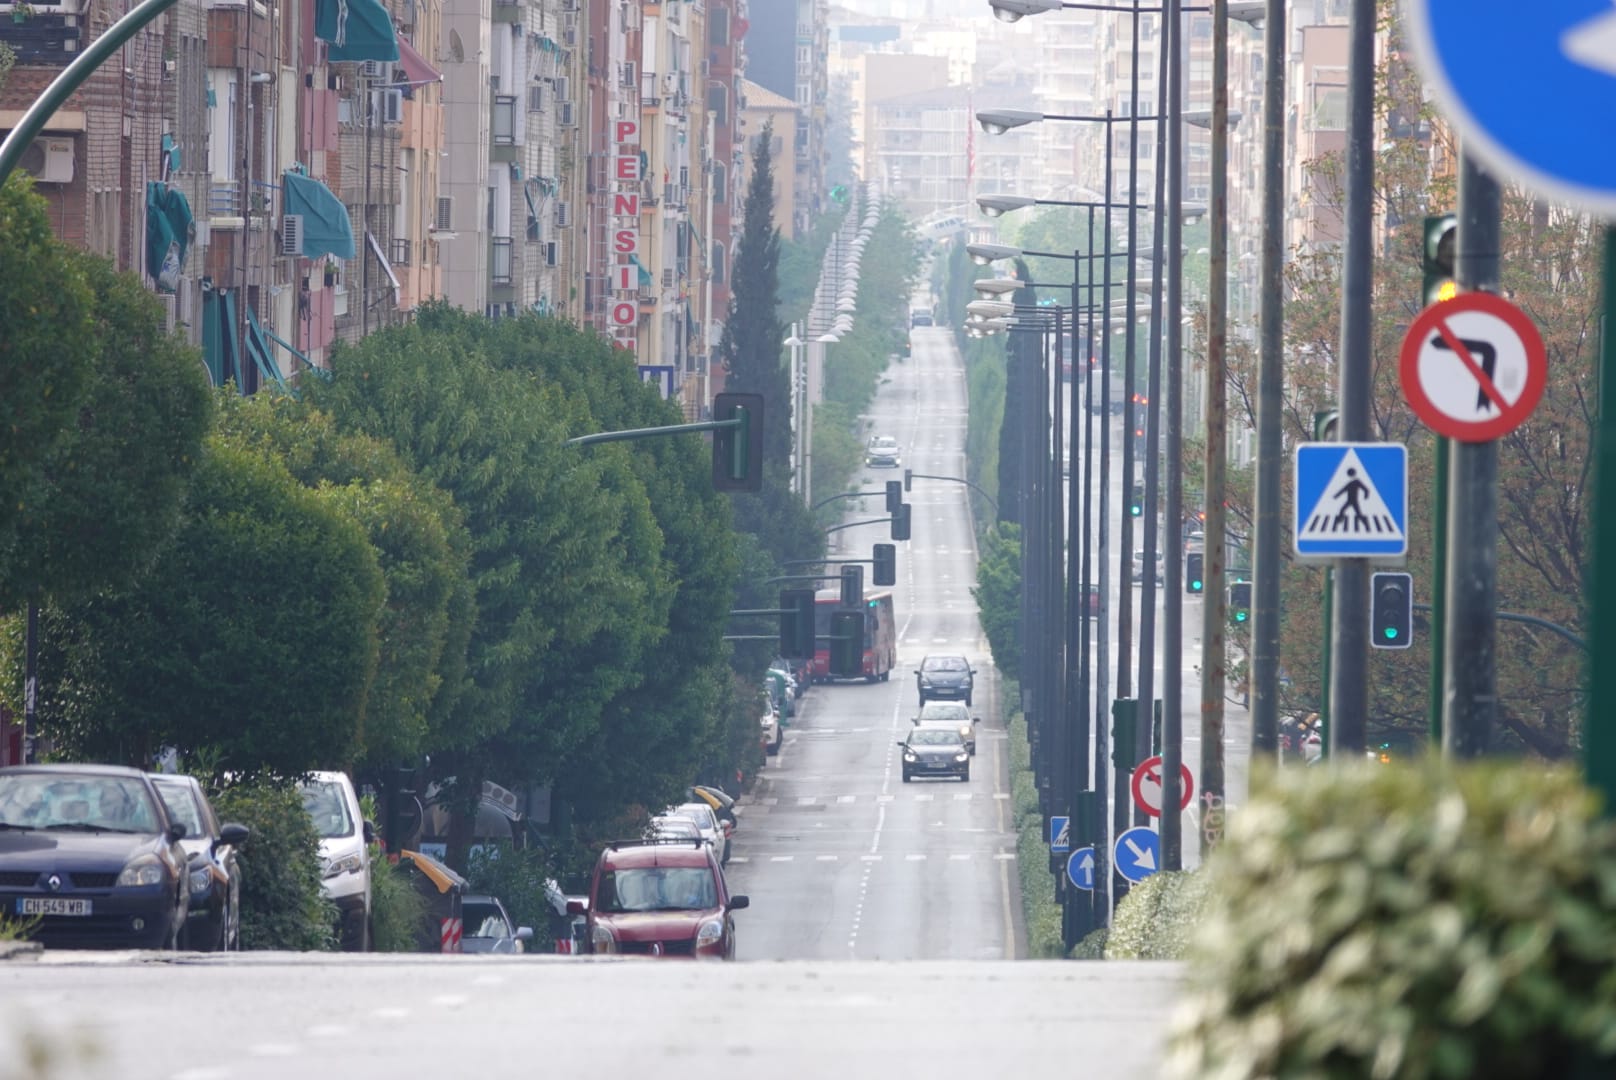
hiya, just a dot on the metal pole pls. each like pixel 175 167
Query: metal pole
pixel 1102 689
pixel 1439 584
pixel 1033 539
pixel 1598 732
pixel 1152 463
pixel 1470 691
pixel 1088 720
pixel 1266 564
pixel 1075 920
pixel 30 686
pixel 1214 602
pixel 1131 312
pixel 1173 561
pixel 1324 674
pixel 1059 733
pixel 1350 630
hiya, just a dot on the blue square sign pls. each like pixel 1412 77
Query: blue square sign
pixel 1351 500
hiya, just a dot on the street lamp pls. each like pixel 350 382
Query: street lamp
pixel 988 288
pixel 996 205
pixel 1202 118
pixel 1015 10
pixel 983 310
pixel 983 254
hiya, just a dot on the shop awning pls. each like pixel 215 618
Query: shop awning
pixel 168 234
pixel 327 229
pixel 417 72
pixel 387 267
pixel 356 29
pixel 220 350
pixel 258 348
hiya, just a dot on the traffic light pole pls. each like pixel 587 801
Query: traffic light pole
pixel 1470 690
pixel 957 480
pixel 1598 733
pixel 1172 839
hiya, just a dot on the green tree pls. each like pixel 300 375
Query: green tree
pixel 998 596
pixel 47 349
pixel 421 547
pixel 252 637
pixel 749 350
pixel 106 495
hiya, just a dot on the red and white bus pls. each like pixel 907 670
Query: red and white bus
pixel 880 634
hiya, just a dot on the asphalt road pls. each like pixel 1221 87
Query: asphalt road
pixel 841 859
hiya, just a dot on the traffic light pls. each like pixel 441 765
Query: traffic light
pixel 1124 725
pixel 900 522
pixel 886 565
pixel 908 479
pixel 1136 500
pixel 1240 601
pixel 894 496
pixel 847 644
pixel 1193 581
pixel 1325 422
pixel 1441 233
pixel 852 586
pixel 738 451
pixel 797 624
pixel 1391 610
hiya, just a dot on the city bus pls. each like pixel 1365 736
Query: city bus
pixel 880 634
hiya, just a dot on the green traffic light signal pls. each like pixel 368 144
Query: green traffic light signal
pixel 1194 564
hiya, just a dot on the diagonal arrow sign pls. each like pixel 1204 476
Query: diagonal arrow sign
pixel 1592 43
pixel 1144 858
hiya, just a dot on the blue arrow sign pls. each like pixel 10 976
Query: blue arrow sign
pixel 1531 86
pixel 1138 853
pixel 1060 834
pixel 1080 869
pixel 1351 500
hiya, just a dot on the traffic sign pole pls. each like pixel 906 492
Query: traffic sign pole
pixel 1469 689
pixel 1439 584
pixel 1598 730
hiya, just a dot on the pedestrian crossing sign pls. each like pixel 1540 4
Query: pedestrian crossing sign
pixel 1351 501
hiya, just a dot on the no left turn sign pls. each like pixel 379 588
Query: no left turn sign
pixel 1473 367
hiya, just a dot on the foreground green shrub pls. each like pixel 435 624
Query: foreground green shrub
pixel 397 909
pixel 1407 922
pixel 1091 947
pixel 517 877
pixel 1158 918
pixel 281 903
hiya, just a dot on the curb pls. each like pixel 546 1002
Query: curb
pixel 20 950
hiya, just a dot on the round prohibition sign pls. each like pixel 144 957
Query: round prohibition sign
pixel 1147 786
pixel 1473 367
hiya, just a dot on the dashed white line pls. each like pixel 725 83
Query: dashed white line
pixel 925 797
pixel 778 858
pixel 885 798
pixel 826 858
pixel 960 856
pixel 1005 856
pixel 738 859
pixel 963 796
pixel 917 856
pixel 272 1049
pixel 390 1012
pixel 807 800
pixel 846 798
pixel 870 858
pixel 450 1001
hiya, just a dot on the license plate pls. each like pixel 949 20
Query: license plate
pixel 937 765
pixel 51 905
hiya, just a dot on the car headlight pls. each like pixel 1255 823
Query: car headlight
pixel 962 756
pixel 710 933
pixel 201 879
pixel 965 732
pixel 348 864
pixel 601 939
pixel 145 871
pixel 924 681
pixel 909 755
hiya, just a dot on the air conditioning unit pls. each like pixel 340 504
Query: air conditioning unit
pixel 563 88
pixel 377 70
pixel 565 117
pixel 443 221
pixel 552 253
pixel 49 161
pixel 292 234
pixel 563 214
pixel 535 98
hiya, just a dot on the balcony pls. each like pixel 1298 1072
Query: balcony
pixel 398 251
pixel 499 262
pixel 504 120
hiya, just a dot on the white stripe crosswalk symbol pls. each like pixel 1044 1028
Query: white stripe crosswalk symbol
pixel 1351 500
pixel 1351 506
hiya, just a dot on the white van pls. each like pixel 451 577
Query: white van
pixel 331 802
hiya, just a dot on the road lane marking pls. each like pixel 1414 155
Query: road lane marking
pixel 1005 856
pixel 450 1001
pixel 1001 794
pixel 885 798
pixel 390 1012
pixel 846 798
pixel 779 858
pixel 871 858
pixel 272 1049
pixel 963 796
pixel 826 858
pixel 924 798
pixel 329 1031
pixel 807 800
pixel 739 859
pixel 959 856
pixel 770 800
pixel 918 856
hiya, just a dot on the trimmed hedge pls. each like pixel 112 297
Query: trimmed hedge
pixel 1158 918
pixel 1039 911
pixel 282 906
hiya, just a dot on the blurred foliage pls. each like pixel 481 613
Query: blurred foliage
pixel 1092 947
pixel 998 595
pixel 516 877
pixel 397 909
pixel 1040 912
pixel 1407 921
pixel 282 906
pixel 1158 917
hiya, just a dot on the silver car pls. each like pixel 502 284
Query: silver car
pixel 952 714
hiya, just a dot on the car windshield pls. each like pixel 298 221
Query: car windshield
pixel 181 804
pixel 325 802
pixel 884 442
pixel 945 711
pixel 701 815
pixel 944 663
pixel 657 888
pixel 934 737
pixel 53 801
pixel 483 921
pixel 675 828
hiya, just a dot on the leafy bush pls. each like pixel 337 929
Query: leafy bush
pixel 282 906
pixel 1091 947
pixel 397 909
pixel 1407 921
pixel 998 595
pixel 1158 917
pixel 1039 911
pixel 517 877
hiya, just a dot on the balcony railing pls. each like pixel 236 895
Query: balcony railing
pixel 398 251
pixel 499 265
pixel 505 120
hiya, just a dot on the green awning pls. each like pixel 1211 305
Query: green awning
pixel 220 351
pixel 289 347
pixel 356 29
pixel 168 234
pixel 646 277
pixel 258 348
pixel 327 229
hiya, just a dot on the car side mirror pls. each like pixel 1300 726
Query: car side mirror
pixel 176 833
pixel 369 831
pixel 577 906
pixel 900 742
pixel 915 720
pixel 976 719
pixel 233 835
pixel 524 933
pixel 736 903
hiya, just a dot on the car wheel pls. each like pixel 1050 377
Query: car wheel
pixel 906 776
pixel 231 939
pixel 176 927
pixel 965 773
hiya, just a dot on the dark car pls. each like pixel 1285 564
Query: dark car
pixel 214 923
pixel 91 858
pixel 660 898
pixel 488 928
pixel 944 678
pixel 935 750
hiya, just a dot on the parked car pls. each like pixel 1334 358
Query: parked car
pixel 1094 601
pixel 935 751
pixel 92 854
pixel 330 800
pixel 1139 566
pixel 772 732
pixel 952 714
pixel 882 451
pixel 667 827
pixel 487 928
pixel 214 878
pixel 945 677
pixel 650 898
pixel 719 799
pixel 711 829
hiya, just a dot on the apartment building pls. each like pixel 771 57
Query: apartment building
pixel 764 109
pixel 792 59
pixel 726 193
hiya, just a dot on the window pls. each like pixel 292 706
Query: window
pixel 1329 108
pixel 718 27
pixel 720 183
pixel 718 263
pixel 718 103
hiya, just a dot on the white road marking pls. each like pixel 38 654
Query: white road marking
pixel 871 858
pixel 329 1031
pixel 959 856
pixel 201 1074
pixel 770 801
pixel 1001 794
pixel 826 858
pixel 390 1012
pixel 450 1001
pixel 778 858
pixel 885 798
pixel 272 1049
pixel 846 798
pixel 1005 856
pixel 963 796
pixel 808 800
pixel 738 859
pixel 924 798
pixel 918 856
